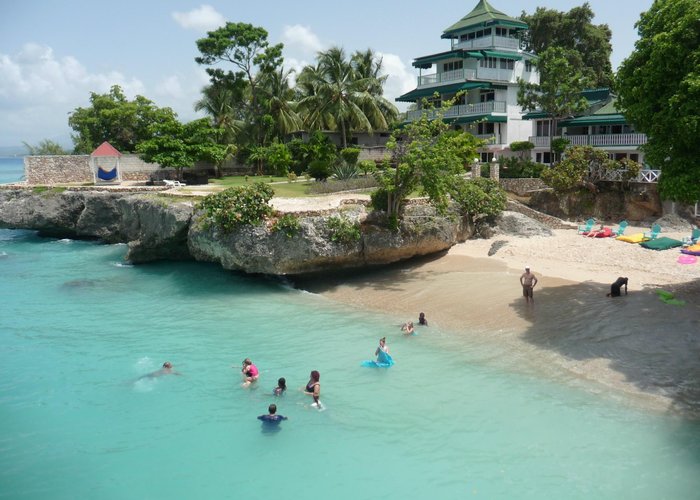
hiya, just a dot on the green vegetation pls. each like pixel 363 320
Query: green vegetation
pixel 425 156
pixel 573 31
pixel 585 167
pixel 112 117
pixel 659 91
pixel 478 198
pixel 238 206
pixel 515 168
pixel 48 189
pixel 45 147
pixel 559 92
pixel 288 224
pixel 343 230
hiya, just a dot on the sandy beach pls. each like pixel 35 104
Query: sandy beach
pixel 635 348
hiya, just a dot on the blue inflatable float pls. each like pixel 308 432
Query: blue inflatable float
pixel 384 360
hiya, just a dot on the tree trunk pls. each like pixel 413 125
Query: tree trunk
pixel 342 134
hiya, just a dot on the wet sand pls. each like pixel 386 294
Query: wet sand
pixel 635 348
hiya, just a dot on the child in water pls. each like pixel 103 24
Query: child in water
pixel 281 387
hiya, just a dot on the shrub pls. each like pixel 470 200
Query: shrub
pixel 350 155
pixel 379 199
pixel 319 170
pixel 278 158
pixel 344 170
pixel 517 168
pixel 288 224
pixel 478 197
pixel 343 231
pixel 238 206
pixel 367 166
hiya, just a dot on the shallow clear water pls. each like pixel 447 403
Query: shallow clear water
pixel 450 420
pixel 11 169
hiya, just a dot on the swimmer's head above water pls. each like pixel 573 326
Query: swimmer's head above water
pixel 167 365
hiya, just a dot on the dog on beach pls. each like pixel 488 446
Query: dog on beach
pixel 616 287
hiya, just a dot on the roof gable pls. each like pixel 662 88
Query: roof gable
pixel 483 15
pixel 106 149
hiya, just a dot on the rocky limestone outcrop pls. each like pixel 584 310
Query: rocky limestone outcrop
pixel 153 228
pixel 157 228
pixel 261 250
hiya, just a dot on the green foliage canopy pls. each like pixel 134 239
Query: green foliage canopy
pixel 573 31
pixel 478 198
pixel 659 91
pixel 45 147
pixel 112 117
pixel 238 206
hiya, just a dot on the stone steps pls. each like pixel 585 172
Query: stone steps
pixel 548 220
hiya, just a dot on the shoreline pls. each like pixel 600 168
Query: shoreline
pixel 635 349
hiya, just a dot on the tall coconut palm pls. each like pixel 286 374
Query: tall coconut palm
pixel 278 102
pixel 368 68
pixel 218 102
pixel 335 95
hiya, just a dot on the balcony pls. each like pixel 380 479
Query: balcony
pixel 460 110
pixel 488 42
pixel 598 140
pixel 447 77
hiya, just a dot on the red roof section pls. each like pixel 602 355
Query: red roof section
pixel 105 149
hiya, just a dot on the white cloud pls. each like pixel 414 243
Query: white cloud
pixel 38 90
pixel 401 78
pixel 204 18
pixel 302 39
pixel 180 92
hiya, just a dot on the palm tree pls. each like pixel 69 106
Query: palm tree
pixel 340 94
pixel 218 103
pixel 278 102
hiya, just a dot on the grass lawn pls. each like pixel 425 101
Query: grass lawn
pixel 281 185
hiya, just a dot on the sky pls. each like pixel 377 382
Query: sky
pixel 53 54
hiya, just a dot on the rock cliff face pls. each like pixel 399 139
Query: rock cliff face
pixel 157 228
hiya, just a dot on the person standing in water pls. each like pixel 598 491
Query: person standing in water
pixel 382 346
pixel 422 320
pixel 281 387
pixel 528 282
pixel 313 387
pixel 272 417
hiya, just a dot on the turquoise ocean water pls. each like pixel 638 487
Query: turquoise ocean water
pixel 450 420
pixel 11 169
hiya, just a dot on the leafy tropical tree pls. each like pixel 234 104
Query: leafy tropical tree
pixel 573 31
pixel 659 91
pixel 559 92
pixel 218 102
pixel 45 147
pixel 334 95
pixel 112 117
pixel 278 102
pixel 425 156
pixel 179 146
pixel 585 167
pixel 245 47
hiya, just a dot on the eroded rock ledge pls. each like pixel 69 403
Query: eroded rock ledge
pixel 163 228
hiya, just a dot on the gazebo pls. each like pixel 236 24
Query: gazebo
pixel 105 164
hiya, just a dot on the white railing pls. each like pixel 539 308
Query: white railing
pixel 447 77
pixel 644 176
pixel 490 138
pixel 597 140
pixel 477 108
pixel 489 41
pixel 502 75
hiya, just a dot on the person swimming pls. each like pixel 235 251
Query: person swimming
pixel 250 372
pixel 407 328
pixel 166 369
pixel 272 417
pixel 281 387
pixel 422 320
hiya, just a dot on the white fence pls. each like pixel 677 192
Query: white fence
pixel 478 108
pixel 595 140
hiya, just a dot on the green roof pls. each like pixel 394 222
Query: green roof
pixel 427 61
pixel 596 95
pixel 609 109
pixel 584 121
pixel 453 88
pixel 483 15
pixel 534 115
pixel 488 118
pixel 503 55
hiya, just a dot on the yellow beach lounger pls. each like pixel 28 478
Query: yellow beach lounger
pixel 633 238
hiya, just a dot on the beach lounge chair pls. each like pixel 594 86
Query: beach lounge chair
pixel 620 228
pixel 695 235
pixel 170 183
pixel 587 227
pixel 655 230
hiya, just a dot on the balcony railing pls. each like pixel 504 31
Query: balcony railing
pixel 644 176
pixel 489 41
pixel 447 77
pixel 598 140
pixel 478 108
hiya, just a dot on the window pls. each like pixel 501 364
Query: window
pixel 617 129
pixel 486 157
pixel 528 66
pixel 542 157
pixel 487 96
pixel 485 128
pixel 620 156
pixel 542 128
pixel 502 32
pixel 634 157
pixel 451 66
pixel 507 64
pixel 488 62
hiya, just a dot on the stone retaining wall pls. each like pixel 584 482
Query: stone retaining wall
pixel 522 186
pixel 48 170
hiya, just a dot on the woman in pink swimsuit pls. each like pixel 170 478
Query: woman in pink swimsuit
pixel 250 372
